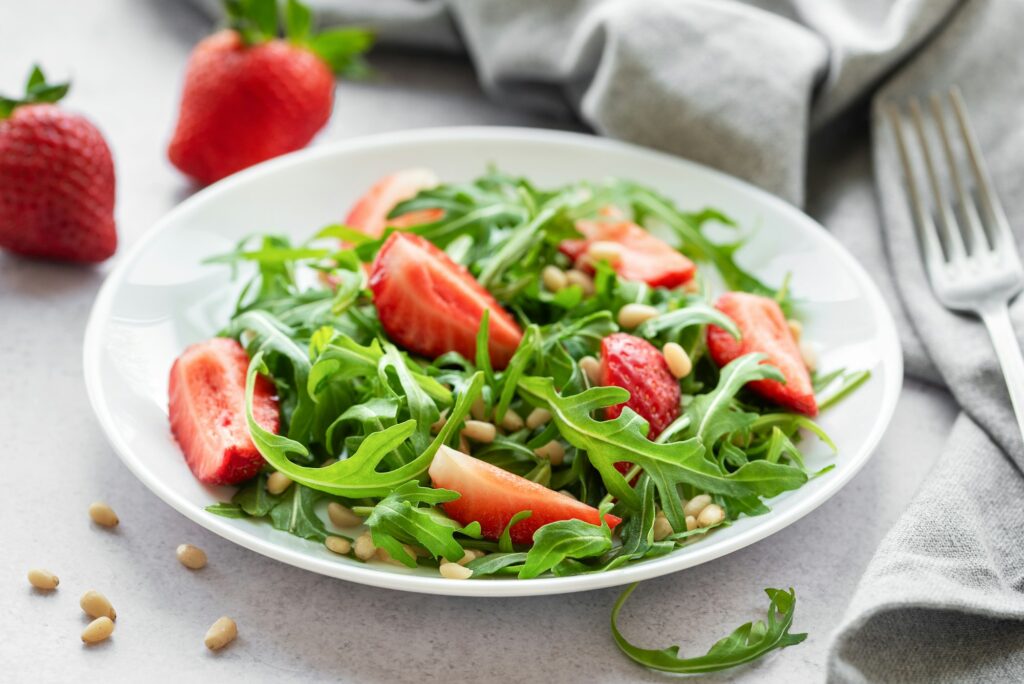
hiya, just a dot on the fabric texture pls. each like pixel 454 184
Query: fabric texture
pixel 788 95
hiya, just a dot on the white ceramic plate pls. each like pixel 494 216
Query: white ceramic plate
pixel 160 298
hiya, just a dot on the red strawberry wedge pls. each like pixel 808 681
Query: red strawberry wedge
pixel 207 411
pixel 638 366
pixel 644 257
pixel 764 329
pixel 370 213
pixel 491 496
pixel 431 305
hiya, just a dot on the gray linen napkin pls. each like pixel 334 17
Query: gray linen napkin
pixel 786 95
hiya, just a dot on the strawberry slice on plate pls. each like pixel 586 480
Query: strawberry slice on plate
pixel 431 305
pixel 763 329
pixel 635 364
pixel 370 213
pixel 207 411
pixel 491 496
pixel 644 257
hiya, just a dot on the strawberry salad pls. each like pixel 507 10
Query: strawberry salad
pixel 496 380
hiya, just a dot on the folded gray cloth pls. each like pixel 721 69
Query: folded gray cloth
pixel 786 95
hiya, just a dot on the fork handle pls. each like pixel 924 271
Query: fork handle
pixel 1004 339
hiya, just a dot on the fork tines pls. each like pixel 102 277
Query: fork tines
pixel 954 191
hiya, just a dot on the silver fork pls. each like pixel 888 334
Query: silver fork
pixel 971 257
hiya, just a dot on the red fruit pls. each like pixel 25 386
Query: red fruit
pixel 56 181
pixel 491 496
pixel 644 256
pixel 207 411
pixel 764 329
pixel 243 104
pixel 638 366
pixel 431 305
pixel 370 213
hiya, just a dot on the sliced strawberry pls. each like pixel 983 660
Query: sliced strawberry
pixel 207 411
pixel 491 496
pixel 431 305
pixel 644 256
pixel 370 213
pixel 764 329
pixel 637 365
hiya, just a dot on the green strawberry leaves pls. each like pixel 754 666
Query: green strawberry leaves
pixel 259 21
pixel 37 91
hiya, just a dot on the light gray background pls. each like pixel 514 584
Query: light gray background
pixel 127 57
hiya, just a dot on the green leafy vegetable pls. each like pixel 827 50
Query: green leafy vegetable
pixel 747 643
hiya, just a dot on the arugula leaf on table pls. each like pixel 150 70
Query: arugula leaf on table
pixel 747 643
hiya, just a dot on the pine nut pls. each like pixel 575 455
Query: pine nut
pixel 438 424
pixel 678 360
pixel 277 483
pixel 221 633
pixel 364 547
pixel 512 421
pixel 553 451
pixel 554 278
pixel 342 516
pixel 591 367
pixel 338 545
pixel 479 431
pixel 467 557
pixel 577 277
pixel 455 571
pixel 464 445
pixel 43 579
pixel 711 515
pixel 796 328
pixel 604 250
pixel 98 630
pixel 691 523
pixel 809 354
pixel 102 514
pixel 566 492
pixel 695 505
pixel 478 410
pixel 662 527
pixel 632 315
pixel 537 417
pixel 192 557
pixel 94 604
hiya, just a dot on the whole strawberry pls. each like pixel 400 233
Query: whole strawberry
pixel 56 179
pixel 250 95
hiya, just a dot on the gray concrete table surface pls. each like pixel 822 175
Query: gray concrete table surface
pixel 127 58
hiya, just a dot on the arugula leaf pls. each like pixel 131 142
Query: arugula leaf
pixel 714 414
pixel 505 538
pixel 295 514
pixel 562 539
pixel 226 510
pixel 254 499
pixel 398 518
pixel 747 643
pixel 494 563
pixel 356 476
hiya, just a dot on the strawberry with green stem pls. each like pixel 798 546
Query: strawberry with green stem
pixel 56 178
pixel 251 95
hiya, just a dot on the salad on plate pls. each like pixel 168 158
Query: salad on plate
pixel 491 379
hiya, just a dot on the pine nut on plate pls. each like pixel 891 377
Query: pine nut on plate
pixel 695 505
pixel 221 633
pixel 554 278
pixel 678 360
pixel 342 516
pixel 277 483
pixel 455 571
pixel 537 417
pixel 591 367
pixel 632 315
pixel 479 431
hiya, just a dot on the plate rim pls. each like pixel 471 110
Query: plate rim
pixel 891 357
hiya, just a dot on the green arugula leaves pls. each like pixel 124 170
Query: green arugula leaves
pixel 748 642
